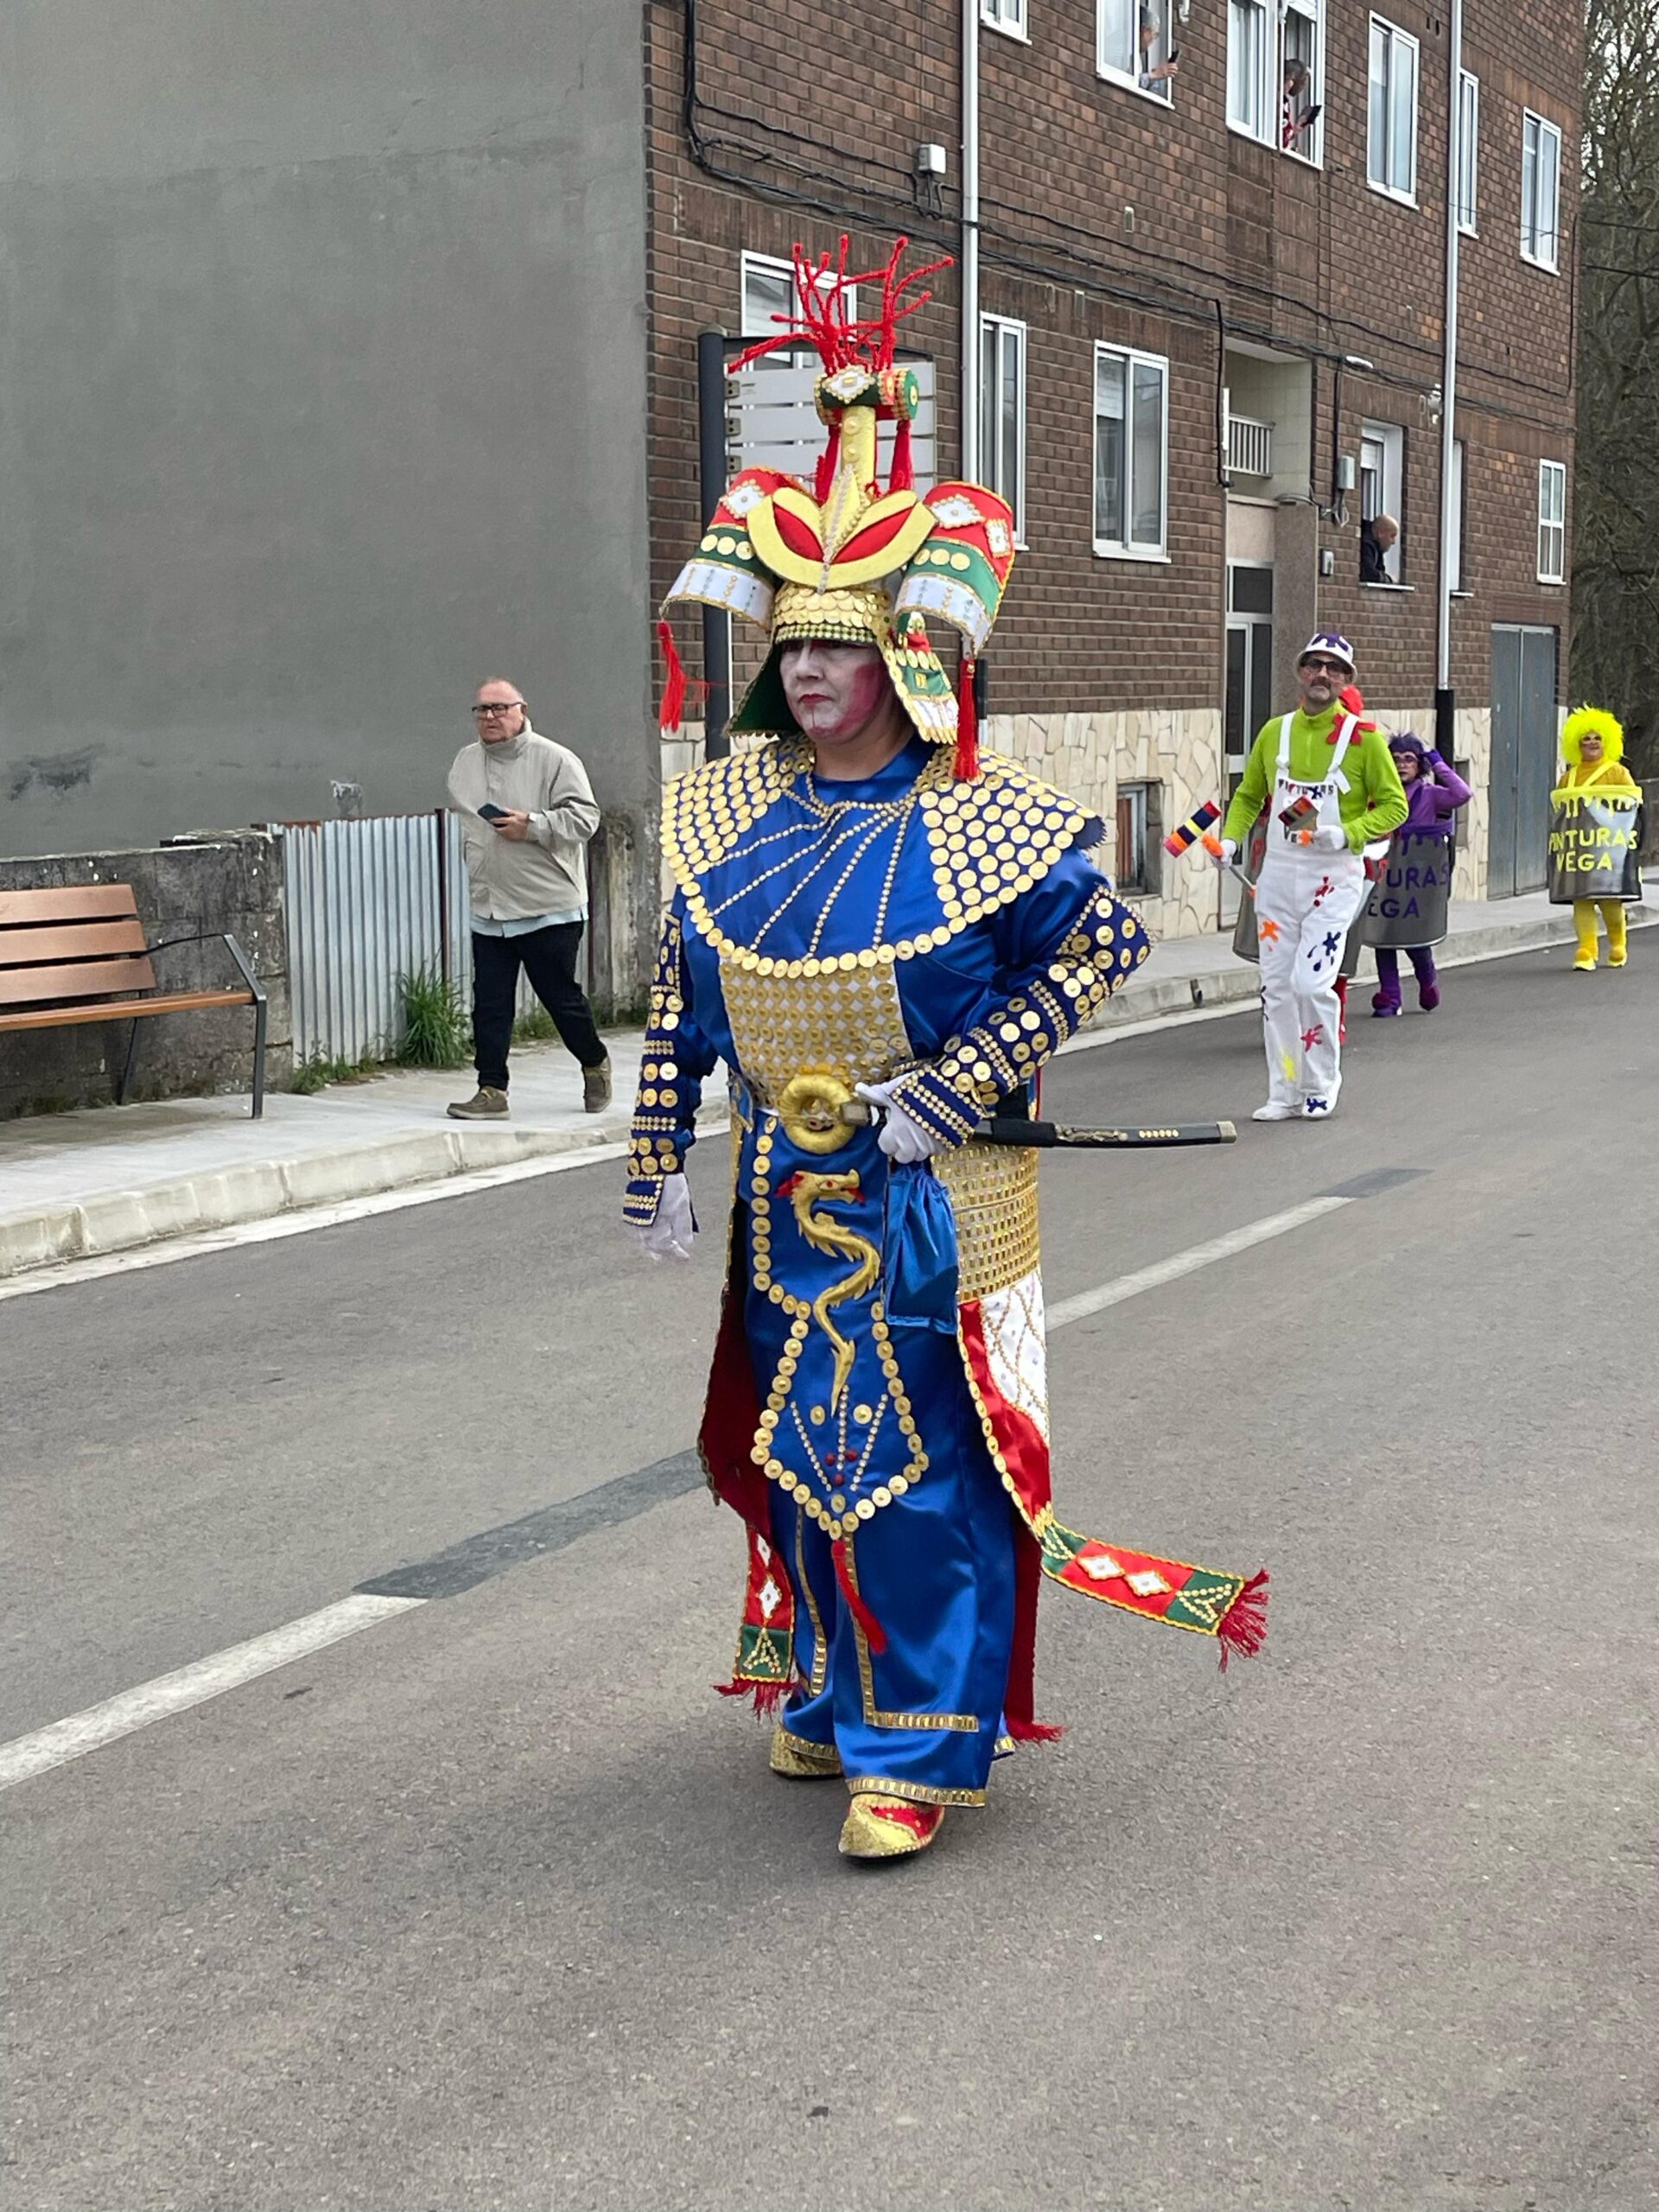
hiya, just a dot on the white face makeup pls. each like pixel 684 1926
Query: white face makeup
pixel 835 692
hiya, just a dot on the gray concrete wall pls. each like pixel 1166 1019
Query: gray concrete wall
pixel 323 392
pixel 234 885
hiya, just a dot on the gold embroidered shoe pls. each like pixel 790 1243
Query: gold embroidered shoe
pixel 801 1759
pixel 888 1828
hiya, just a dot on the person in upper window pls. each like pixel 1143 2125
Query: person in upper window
pixel 1377 541
pixel 1297 119
pixel 1152 30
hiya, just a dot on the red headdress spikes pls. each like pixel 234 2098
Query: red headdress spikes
pixel 823 289
pixel 848 560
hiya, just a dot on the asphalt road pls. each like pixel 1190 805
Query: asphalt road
pixel 496 1905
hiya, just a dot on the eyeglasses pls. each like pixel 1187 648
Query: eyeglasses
pixel 498 707
pixel 1321 667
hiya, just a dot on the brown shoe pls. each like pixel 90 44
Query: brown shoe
pixel 484 1105
pixel 597 1088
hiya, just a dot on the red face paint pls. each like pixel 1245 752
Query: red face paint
pixel 835 692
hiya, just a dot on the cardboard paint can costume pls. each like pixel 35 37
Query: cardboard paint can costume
pixel 877 1412
pixel 1594 850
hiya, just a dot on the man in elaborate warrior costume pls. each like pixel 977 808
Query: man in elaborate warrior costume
pixel 884 940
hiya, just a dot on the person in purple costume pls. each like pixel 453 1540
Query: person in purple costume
pixel 1435 791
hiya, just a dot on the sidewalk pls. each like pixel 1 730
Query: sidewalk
pixel 109 1178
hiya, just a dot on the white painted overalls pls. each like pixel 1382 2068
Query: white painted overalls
pixel 1304 901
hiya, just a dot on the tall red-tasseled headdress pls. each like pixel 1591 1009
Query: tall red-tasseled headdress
pixel 844 559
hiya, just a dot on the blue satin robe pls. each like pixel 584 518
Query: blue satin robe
pixel 935 1565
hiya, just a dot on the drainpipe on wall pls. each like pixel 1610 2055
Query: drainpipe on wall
pixel 1446 699
pixel 969 441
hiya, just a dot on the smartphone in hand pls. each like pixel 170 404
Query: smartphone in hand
pixel 491 812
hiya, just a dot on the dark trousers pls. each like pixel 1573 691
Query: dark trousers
pixel 548 958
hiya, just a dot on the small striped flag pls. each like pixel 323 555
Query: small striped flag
pixel 1191 829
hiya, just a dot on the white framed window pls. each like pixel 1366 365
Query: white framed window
pixel 1003 413
pixel 1274 62
pixel 1552 521
pixel 1131 453
pixel 768 292
pixel 1391 134
pixel 1249 52
pixel 1135 44
pixel 1301 79
pixel 1006 15
pixel 1457 499
pixel 1382 487
pixel 1468 150
pixel 1541 190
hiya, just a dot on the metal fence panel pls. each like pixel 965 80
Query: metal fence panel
pixel 362 905
pixel 368 903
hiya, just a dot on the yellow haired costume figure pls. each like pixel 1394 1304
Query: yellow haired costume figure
pixel 1593 747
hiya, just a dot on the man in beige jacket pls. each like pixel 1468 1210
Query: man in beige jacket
pixel 526 811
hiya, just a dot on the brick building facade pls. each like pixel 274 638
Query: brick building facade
pixel 1215 333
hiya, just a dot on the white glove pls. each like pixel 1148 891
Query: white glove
pixel 901 1139
pixel 1228 854
pixel 1329 839
pixel 670 1235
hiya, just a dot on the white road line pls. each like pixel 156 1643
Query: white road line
pixel 1188 1262
pixel 194 1685
pixel 304 1219
pixel 226 1670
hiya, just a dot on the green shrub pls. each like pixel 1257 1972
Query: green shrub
pixel 436 1029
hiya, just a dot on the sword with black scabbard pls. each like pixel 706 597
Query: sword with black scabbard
pixel 1046 1136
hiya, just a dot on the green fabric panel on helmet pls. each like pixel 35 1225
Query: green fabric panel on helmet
pixel 764 710
pixel 927 682
pixel 965 565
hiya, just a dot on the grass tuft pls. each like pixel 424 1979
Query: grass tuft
pixel 536 1028
pixel 312 1075
pixel 436 1034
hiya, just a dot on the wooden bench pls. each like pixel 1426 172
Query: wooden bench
pixel 78 954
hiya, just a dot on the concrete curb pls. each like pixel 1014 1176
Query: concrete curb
pixel 193 1206
pixel 119 1221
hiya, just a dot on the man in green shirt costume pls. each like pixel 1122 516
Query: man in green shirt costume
pixel 1312 880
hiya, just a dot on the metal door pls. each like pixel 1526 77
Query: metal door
pixel 1249 683
pixel 1525 666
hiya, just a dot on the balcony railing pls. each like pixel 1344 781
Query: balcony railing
pixel 1249 447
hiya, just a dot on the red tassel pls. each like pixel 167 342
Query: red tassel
pixel 1243 1627
pixel 874 1634
pixel 828 460
pixel 1034 1732
pixel 672 710
pixel 901 477
pixel 966 764
pixel 766 1696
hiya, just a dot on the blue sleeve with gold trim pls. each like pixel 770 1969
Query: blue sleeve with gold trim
pixel 677 1055
pixel 1064 947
